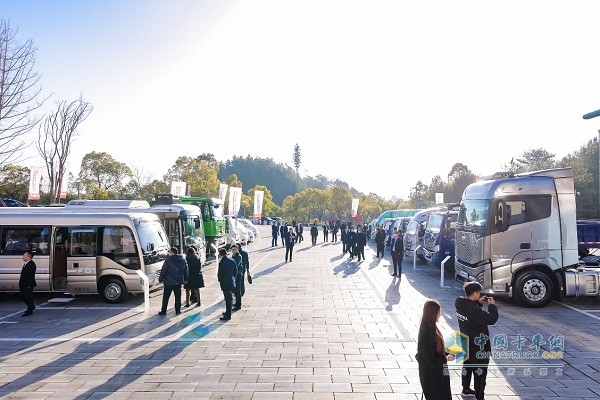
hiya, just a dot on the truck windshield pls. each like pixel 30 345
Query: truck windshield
pixel 473 213
pixel 411 229
pixel 193 236
pixel 435 223
pixel 217 210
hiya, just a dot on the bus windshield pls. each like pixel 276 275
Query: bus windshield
pixel 193 236
pixel 473 213
pixel 435 223
pixel 153 240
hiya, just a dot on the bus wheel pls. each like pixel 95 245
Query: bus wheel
pixel 114 291
pixel 533 289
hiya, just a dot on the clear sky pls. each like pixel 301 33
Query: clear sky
pixel 380 94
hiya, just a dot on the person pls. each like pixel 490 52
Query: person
pixel 274 234
pixel 196 279
pixel 473 321
pixel 361 242
pixel 351 242
pixel 334 231
pixel 397 249
pixel 289 238
pixel 173 274
pixel 343 237
pixel 299 231
pixel 431 355
pixel 380 241
pixel 226 273
pixel 314 232
pixel 325 232
pixel 27 282
pixel 240 288
pixel 282 230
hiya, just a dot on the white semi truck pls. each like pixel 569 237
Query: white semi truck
pixel 517 236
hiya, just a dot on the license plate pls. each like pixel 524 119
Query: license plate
pixel 463 274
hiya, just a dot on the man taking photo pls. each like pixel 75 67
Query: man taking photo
pixel 473 321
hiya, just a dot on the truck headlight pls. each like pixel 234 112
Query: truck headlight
pixel 436 248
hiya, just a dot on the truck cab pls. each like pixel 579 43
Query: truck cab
pixel 439 238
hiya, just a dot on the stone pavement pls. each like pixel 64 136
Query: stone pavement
pixel 319 328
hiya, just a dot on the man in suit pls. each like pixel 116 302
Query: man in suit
pixel 274 234
pixel 27 282
pixel 397 253
pixel 226 273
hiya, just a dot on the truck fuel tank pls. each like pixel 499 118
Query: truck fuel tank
pixel 583 281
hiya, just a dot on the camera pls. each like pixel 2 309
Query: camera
pixel 484 299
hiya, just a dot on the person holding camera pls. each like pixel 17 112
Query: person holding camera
pixel 473 321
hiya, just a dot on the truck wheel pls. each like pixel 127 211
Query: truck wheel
pixel 533 289
pixel 114 291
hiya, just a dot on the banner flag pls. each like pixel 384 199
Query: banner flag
pixel 223 191
pixel 235 200
pixel 354 207
pixel 258 203
pixel 34 183
pixel 178 188
pixel 439 198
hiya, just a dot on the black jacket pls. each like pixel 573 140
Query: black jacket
pixel 398 245
pixel 226 273
pixel 174 271
pixel 436 385
pixel 473 321
pixel 380 237
pixel 314 231
pixel 361 239
pixel 27 278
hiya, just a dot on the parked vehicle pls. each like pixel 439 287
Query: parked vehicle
pixel 8 202
pixel 439 237
pixel 83 253
pixel 517 236
pixel 248 224
pixel 232 233
pixel 415 231
pixel 395 214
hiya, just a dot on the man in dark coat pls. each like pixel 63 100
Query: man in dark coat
pixel 226 273
pixel 397 250
pixel 27 282
pixel 282 231
pixel 325 232
pixel 240 288
pixel 380 241
pixel 351 242
pixel 314 232
pixel 173 274
pixel 274 234
pixel 361 242
pixel 473 321
pixel 289 238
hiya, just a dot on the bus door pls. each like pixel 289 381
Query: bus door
pixel 81 260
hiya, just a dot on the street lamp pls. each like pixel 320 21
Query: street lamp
pixel 591 115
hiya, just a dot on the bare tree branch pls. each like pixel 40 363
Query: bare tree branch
pixel 55 137
pixel 19 93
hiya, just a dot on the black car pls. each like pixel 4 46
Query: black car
pixel 8 202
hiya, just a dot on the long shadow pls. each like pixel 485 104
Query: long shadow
pixel 338 257
pixel 392 294
pixel 268 270
pixel 347 268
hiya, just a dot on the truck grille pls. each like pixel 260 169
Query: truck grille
pixel 466 247
pixel 429 242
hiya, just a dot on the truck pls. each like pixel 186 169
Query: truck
pixel 439 238
pixel 517 235
pixel 415 231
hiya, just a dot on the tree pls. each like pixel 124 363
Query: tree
pixel 14 182
pixel 418 195
pixel 340 202
pixel 459 177
pixel 297 158
pixel 55 137
pixel 148 190
pixel 19 93
pixel 101 175
pixel 199 173
pixel 534 160
pixel 437 185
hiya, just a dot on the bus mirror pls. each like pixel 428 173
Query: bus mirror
pixel 197 223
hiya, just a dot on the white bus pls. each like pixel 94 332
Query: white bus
pixel 182 222
pixel 83 253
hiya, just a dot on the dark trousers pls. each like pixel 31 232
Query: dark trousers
pixel 314 240
pixel 334 237
pixel 238 296
pixel 397 262
pixel 479 378
pixel 360 252
pixel 228 301
pixel 326 237
pixel 167 294
pixel 274 241
pixel 344 247
pixel 288 252
pixel 380 249
pixel 27 296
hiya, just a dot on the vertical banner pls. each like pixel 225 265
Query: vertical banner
pixel 235 199
pixel 258 203
pixel 354 207
pixel 439 198
pixel 178 188
pixel 223 191
pixel 64 185
pixel 34 183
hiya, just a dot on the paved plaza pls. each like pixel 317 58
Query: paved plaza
pixel 319 328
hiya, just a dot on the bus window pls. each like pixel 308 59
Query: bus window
pixel 119 245
pixel 18 239
pixel 83 242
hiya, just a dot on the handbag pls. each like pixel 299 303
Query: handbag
pixel 249 278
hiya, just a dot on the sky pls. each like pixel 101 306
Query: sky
pixel 380 94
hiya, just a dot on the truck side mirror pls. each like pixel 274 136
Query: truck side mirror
pixel 196 222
